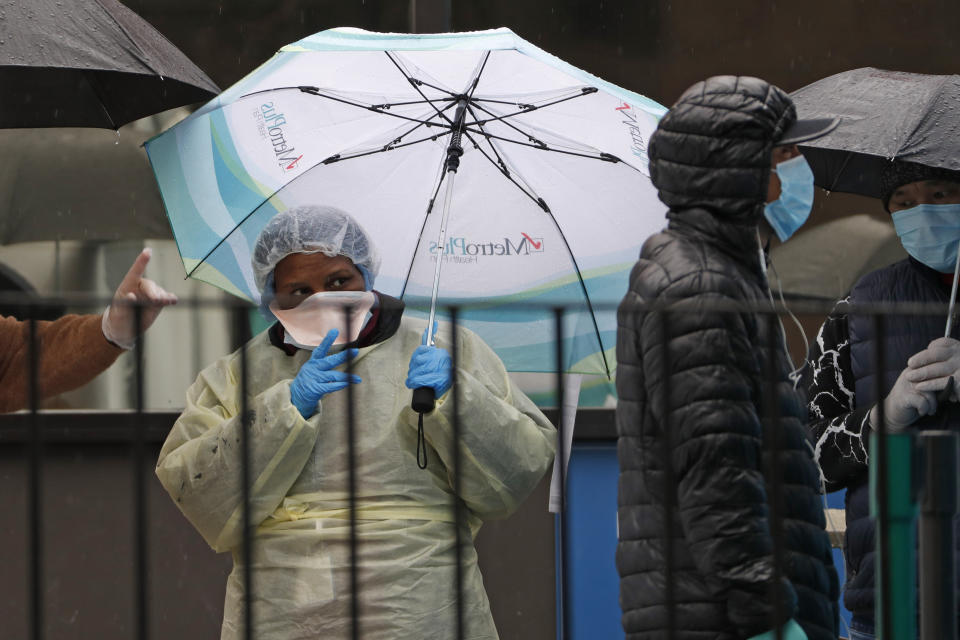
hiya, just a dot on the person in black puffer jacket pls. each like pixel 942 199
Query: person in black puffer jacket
pixel 711 160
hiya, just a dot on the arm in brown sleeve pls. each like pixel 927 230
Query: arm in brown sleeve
pixel 72 352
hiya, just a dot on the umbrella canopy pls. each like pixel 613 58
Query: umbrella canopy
pixel 551 201
pixel 81 184
pixel 88 63
pixel 885 116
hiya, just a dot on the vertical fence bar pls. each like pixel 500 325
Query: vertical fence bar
pixel 140 574
pixel 772 440
pixel 447 15
pixel 893 500
pixel 35 515
pixel 352 489
pixel 938 595
pixel 563 613
pixel 669 479
pixel 879 464
pixel 242 332
pixel 458 519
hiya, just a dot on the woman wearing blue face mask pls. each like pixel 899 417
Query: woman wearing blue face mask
pixel 924 204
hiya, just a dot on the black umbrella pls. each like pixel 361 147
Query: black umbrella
pixel 88 63
pixel 885 115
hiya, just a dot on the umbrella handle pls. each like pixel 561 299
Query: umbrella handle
pixel 424 399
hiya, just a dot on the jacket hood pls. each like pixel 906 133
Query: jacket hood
pixel 712 149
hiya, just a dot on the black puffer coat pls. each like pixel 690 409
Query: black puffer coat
pixel 710 158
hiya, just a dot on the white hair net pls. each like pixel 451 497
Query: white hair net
pixel 313 229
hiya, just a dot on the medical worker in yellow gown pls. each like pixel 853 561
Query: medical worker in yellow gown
pixel 305 257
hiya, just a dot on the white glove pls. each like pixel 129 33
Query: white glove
pixel 119 317
pixel 904 405
pixel 930 369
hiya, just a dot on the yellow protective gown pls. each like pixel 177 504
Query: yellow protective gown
pixel 301 561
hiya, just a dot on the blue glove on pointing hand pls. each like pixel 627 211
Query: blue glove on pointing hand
pixel 791 631
pixel 430 367
pixel 316 377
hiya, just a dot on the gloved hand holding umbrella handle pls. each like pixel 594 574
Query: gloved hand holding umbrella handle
pixel 430 376
pixel 936 369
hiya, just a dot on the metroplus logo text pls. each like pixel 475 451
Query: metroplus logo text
pixel 461 249
pixel 270 125
pixel 638 145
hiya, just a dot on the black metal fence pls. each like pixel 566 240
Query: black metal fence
pixel 938 609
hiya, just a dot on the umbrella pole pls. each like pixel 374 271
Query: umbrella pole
pixel 953 295
pixel 423 397
pixel 454 151
pixel 441 252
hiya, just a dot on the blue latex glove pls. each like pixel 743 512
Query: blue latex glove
pixel 430 367
pixel 317 378
pixel 791 631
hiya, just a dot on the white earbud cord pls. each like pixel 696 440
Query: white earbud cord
pixel 796 372
pixel 795 375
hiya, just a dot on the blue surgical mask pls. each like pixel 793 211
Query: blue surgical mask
pixel 787 213
pixel 929 233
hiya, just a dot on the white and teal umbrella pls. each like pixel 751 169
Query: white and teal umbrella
pixel 550 203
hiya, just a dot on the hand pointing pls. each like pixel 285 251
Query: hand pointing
pixel 135 290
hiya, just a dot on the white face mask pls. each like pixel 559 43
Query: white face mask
pixel 310 321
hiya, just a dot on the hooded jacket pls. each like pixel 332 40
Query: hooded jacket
pixel 710 426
